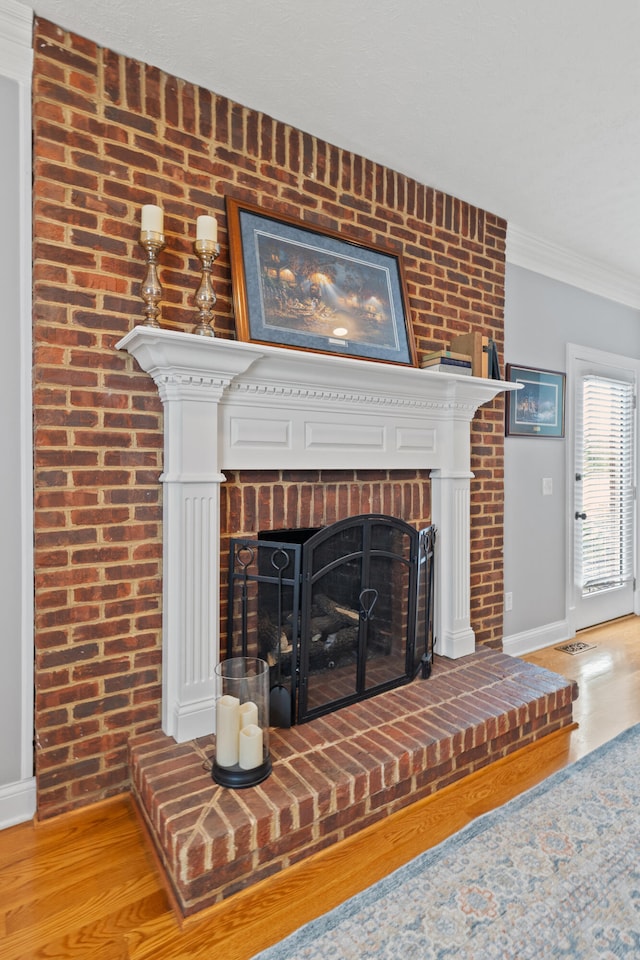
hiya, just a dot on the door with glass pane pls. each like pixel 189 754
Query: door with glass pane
pixel 604 492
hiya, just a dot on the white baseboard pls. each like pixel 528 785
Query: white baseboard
pixel 530 640
pixel 17 802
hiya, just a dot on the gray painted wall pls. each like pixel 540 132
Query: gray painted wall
pixel 541 316
pixel 10 462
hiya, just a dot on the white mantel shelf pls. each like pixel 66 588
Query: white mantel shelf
pixel 234 405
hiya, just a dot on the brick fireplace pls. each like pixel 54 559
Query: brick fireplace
pixel 247 406
pixel 111 133
pixel 254 411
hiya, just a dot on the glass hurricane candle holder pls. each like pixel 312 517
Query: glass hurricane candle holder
pixel 242 723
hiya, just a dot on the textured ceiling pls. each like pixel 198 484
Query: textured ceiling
pixel 529 109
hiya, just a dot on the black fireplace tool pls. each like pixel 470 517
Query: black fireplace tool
pixel 427 546
pixel 244 558
pixel 279 697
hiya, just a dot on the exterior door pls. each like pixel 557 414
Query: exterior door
pixel 604 501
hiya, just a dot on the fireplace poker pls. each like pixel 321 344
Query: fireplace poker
pixel 279 700
pixel 244 564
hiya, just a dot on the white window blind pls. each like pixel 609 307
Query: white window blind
pixel 604 538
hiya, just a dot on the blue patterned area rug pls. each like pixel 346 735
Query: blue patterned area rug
pixel 553 873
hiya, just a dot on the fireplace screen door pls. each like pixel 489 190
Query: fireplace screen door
pixel 359 597
pixel 340 613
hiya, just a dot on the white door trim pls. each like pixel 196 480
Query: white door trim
pixel 575 354
pixel 18 799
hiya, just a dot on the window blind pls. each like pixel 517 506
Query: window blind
pixel 604 539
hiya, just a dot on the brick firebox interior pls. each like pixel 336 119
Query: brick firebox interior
pixel 111 134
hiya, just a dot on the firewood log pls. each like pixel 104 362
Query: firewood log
pixel 329 606
pixel 344 641
pixel 322 626
pixel 271 643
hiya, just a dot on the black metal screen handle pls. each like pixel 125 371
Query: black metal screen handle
pixel 581 516
pixel 366 612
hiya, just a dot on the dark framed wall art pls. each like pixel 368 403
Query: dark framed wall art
pixel 303 287
pixel 537 408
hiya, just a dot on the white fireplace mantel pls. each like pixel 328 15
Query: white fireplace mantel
pixel 232 405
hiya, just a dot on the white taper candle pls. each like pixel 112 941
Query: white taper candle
pixel 152 220
pixel 207 228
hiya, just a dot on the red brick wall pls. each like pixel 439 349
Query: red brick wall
pixel 111 134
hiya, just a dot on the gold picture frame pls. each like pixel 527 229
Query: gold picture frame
pixel 300 286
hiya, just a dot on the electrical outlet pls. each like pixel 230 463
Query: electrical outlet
pixel 508 601
pixel 547 486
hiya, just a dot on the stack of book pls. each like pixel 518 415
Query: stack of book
pixel 447 361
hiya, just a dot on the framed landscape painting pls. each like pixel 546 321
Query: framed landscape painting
pixel 537 408
pixel 300 286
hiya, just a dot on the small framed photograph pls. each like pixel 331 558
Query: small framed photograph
pixel 307 288
pixel 537 408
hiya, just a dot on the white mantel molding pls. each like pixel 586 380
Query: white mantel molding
pixel 232 405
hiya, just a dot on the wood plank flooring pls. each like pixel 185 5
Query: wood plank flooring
pixel 87 885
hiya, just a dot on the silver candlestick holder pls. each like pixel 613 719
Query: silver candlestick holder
pixel 151 289
pixel 205 298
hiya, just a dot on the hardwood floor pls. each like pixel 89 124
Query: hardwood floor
pixel 87 885
pixel 609 681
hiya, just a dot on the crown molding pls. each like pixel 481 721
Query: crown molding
pixel 541 256
pixel 16 30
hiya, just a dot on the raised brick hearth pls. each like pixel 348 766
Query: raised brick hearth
pixel 338 774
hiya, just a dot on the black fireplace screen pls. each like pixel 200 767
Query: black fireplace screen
pixel 339 613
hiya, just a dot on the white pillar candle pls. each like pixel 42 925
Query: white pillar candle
pixel 207 228
pixel 250 747
pixel 227 729
pixel 248 713
pixel 152 219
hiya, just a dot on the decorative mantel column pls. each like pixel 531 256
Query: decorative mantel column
pixel 450 503
pixel 191 382
pixel 243 406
